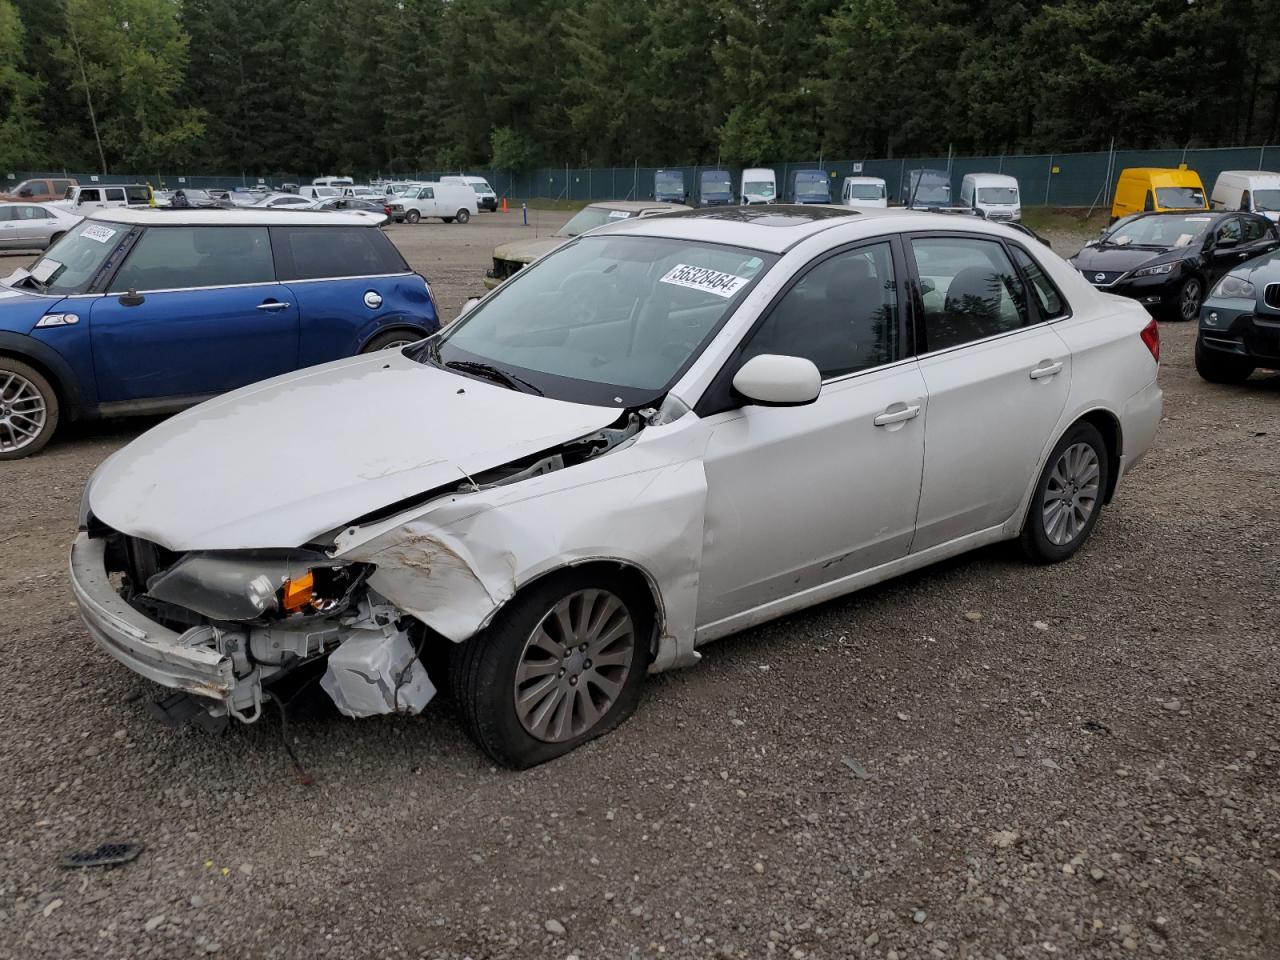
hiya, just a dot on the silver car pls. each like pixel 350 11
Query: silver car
pixel 33 226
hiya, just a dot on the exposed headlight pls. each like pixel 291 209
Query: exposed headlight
pixel 1155 271
pixel 1233 286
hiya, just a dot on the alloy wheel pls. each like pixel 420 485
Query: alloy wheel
pixel 1191 299
pixel 1071 494
pixel 23 412
pixel 574 665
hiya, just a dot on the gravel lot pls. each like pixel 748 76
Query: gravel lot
pixel 984 759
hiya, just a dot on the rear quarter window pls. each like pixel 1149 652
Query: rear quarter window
pixel 318 253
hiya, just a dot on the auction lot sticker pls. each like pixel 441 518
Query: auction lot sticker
pixel 704 279
pixel 96 231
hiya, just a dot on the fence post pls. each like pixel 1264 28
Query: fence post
pixel 1048 181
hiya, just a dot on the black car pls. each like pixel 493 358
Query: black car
pixel 1169 261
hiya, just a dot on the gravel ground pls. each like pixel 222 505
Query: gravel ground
pixel 984 759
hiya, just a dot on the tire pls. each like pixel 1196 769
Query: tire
pixel 1217 367
pixel 485 671
pixel 463 216
pixel 28 410
pixel 55 238
pixel 389 339
pixel 1190 297
pixel 412 216
pixel 1081 459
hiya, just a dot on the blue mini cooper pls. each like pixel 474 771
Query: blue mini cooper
pixel 148 311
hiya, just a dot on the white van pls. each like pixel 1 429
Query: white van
pixel 321 192
pixel 486 199
pixel 1254 190
pixel 759 185
pixel 864 192
pixel 338 182
pixel 448 201
pixel 995 194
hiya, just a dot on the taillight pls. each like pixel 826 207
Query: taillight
pixel 1151 337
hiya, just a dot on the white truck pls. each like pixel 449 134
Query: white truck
pixel 84 200
pixel 759 185
pixel 448 201
pixel 994 195
pixel 1257 191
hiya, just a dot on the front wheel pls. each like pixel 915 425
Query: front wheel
pixel 561 664
pixel 28 410
pixel 1217 367
pixel 54 239
pixel 462 216
pixel 1190 296
pixel 413 216
pixel 1068 498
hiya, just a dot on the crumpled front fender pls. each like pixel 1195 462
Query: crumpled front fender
pixel 454 563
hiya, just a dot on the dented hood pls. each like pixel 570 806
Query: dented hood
pixel 278 463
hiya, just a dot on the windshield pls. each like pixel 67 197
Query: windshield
pixel 1266 199
pixel 758 188
pixel 866 191
pixel 588 218
pixel 930 189
pixel 811 185
pixel 998 195
pixel 482 187
pixel 1163 230
pixel 611 320
pixel 667 183
pixel 77 257
pixel 716 183
pixel 1181 198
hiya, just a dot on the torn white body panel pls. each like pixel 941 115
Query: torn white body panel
pixel 453 562
pixel 403 428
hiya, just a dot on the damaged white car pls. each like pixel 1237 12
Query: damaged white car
pixel 668 430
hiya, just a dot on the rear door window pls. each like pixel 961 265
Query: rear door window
pixel 970 290
pixel 324 252
pixel 115 194
pixel 181 258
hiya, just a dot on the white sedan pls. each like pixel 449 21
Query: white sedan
pixel 666 431
pixel 33 226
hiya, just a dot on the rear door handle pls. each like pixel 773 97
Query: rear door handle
pixel 274 305
pixel 1046 370
pixel 897 416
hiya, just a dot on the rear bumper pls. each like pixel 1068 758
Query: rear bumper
pixel 1139 421
pixel 141 644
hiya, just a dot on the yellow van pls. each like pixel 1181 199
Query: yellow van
pixel 1157 189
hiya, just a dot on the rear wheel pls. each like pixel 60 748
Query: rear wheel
pixel 1068 498
pixel 28 410
pixel 413 216
pixel 561 664
pixel 463 216
pixel 1218 367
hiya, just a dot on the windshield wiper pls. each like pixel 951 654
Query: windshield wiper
pixel 493 373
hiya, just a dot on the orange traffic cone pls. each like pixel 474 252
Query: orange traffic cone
pixel 504 204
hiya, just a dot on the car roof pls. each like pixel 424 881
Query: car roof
pixel 776 228
pixel 1165 175
pixel 239 217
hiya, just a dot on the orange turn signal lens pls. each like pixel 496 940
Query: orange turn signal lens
pixel 298 591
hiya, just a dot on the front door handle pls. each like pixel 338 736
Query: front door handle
pixel 274 305
pixel 1046 369
pixel 897 416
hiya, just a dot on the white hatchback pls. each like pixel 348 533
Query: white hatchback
pixel 668 430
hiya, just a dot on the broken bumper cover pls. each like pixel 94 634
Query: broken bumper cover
pixel 141 644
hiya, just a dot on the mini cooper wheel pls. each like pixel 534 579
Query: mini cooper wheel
pixel 563 663
pixel 413 216
pixel 28 410
pixel 1068 497
pixel 1218 367
pixel 391 340
pixel 463 216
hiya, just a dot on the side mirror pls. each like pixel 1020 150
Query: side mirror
pixel 772 380
pixel 1091 243
pixel 466 307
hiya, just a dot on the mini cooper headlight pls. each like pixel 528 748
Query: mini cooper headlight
pixel 1235 287
pixel 1157 270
